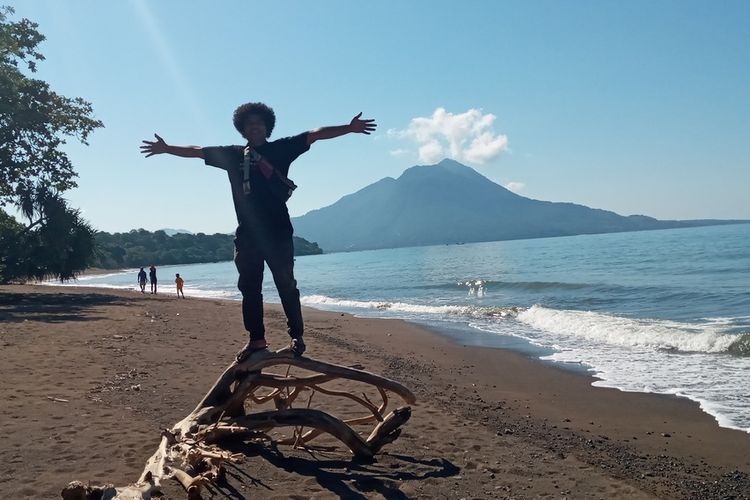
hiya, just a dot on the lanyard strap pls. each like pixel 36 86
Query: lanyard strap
pixel 251 159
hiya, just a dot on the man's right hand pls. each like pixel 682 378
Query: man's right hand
pixel 157 147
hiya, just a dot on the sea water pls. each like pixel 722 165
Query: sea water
pixel 654 311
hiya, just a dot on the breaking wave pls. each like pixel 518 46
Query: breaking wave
pixel 403 307
pixel 632 332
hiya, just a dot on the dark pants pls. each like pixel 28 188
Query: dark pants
pixel 278 252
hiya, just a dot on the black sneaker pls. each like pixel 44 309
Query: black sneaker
pixel 248 351
pixel 297 346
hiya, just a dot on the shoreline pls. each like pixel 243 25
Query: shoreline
pixel 508 425
pixel 517 346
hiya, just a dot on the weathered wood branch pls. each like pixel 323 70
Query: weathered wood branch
pixel 190 452
pixel 373 409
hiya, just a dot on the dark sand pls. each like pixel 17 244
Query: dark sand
pixel 488 424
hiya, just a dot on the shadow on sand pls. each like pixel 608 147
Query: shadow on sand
pixel 54 307
pixel 345 478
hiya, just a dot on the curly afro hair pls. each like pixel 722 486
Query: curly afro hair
pixel 254 108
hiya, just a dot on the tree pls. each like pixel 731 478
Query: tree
pixel 34 120
pixel 139 247
pixel 34 125
pixel 59 243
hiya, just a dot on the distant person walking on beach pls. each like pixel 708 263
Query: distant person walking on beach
pixel 179 282
pixel 257 174
pixel 142 280
pixel 152 278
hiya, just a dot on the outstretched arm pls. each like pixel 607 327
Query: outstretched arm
pixel 157 147
pixel 356 126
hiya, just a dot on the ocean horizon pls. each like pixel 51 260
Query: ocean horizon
pixel 660 311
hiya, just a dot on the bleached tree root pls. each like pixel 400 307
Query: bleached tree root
pixel 191 451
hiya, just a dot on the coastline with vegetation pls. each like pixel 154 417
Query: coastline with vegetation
pixel 140 247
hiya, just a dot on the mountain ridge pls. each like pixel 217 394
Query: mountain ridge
pixel 451 203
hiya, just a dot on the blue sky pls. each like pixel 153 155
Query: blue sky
pixel 639 107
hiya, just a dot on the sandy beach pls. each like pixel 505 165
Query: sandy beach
pixel 89 377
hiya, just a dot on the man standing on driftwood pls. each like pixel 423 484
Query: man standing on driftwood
pixel 260 188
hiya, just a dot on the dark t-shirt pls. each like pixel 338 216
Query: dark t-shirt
pixel 260 211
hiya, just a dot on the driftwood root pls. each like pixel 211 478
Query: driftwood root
pixel 191 453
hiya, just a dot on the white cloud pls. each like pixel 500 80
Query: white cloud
pixel 431 151
pixel 465 137
pixel 515 186
pixel 399 152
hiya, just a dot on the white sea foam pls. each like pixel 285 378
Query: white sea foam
pixel 639 355
pixel 213 294
pixel 312 300
pixel 596 327
pixel 93 285
pixel 617 330
pixel 403 307
pixel 662 357
pixel 725 320
pixel 88 277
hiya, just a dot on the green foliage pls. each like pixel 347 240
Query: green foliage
pixel 34 120
pixel 140 248
pixel 9 229
pixel 304 247
pixel 34 124
pixel 60 244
